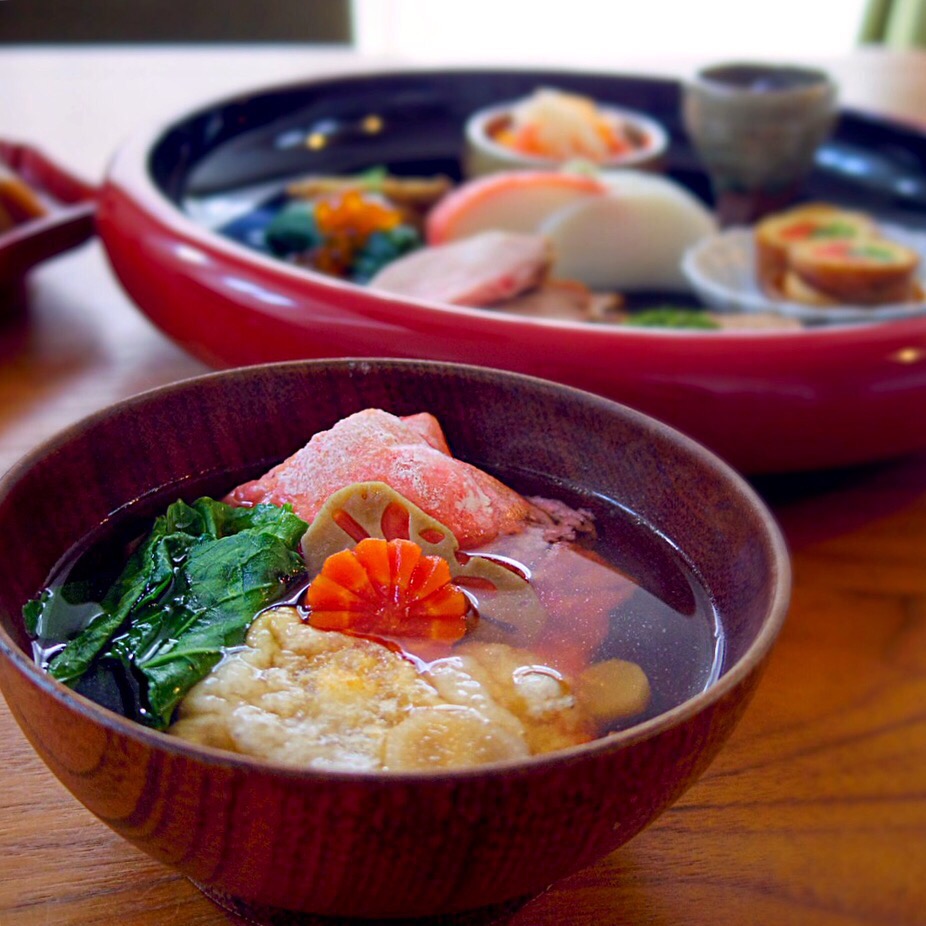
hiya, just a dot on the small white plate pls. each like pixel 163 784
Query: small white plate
pixel 722 272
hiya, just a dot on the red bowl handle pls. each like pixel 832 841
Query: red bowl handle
pixel 70 219
pixel 33 242
pixel 39 171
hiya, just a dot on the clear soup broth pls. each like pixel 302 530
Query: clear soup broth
pixel 628 594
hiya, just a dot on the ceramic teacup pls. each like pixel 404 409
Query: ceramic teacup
pixel 757 128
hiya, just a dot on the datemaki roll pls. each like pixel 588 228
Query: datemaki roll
pixel 873 271
pixel 814 222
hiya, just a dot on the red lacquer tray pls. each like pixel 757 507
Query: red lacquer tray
pixel 765 400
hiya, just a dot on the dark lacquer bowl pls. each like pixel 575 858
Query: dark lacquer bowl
pixel 374 844
pixel 764 400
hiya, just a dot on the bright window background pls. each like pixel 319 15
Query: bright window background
pixel 603 33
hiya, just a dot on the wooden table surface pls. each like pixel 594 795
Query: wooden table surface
pixel 814 813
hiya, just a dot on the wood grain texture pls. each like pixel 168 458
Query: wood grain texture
pixel 813 814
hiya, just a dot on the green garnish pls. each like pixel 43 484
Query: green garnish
pixel 834 230
pixel 373 177
pixel 293 230
pixel 872 251
pixel 382 248
pixel 672 317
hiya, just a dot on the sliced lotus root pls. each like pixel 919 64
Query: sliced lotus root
pixel 506 602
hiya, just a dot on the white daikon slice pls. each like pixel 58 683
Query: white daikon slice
pixel 631 239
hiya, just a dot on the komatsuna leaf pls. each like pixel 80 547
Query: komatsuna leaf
pixel 226 583
pixel 33 611
pixel 146 576
pixel 192 588
pixel 221 520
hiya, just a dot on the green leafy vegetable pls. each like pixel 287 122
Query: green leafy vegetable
pixel 190 590
pixel 293 230
pixel 382 248
pixel 32 612
pixel 672 317
pixel 373 177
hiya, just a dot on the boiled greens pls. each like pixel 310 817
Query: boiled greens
pixel 188 592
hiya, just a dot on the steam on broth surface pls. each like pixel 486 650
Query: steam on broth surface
pixel 372 640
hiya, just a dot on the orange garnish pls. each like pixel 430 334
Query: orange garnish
pixel 345 221
pixel 387 588
pixel 355 214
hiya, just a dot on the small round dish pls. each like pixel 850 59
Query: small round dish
pixel 483 154
pixel 721 270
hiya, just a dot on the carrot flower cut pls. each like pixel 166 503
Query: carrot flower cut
pixel 387 588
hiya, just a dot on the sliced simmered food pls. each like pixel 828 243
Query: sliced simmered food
pixel 478 271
